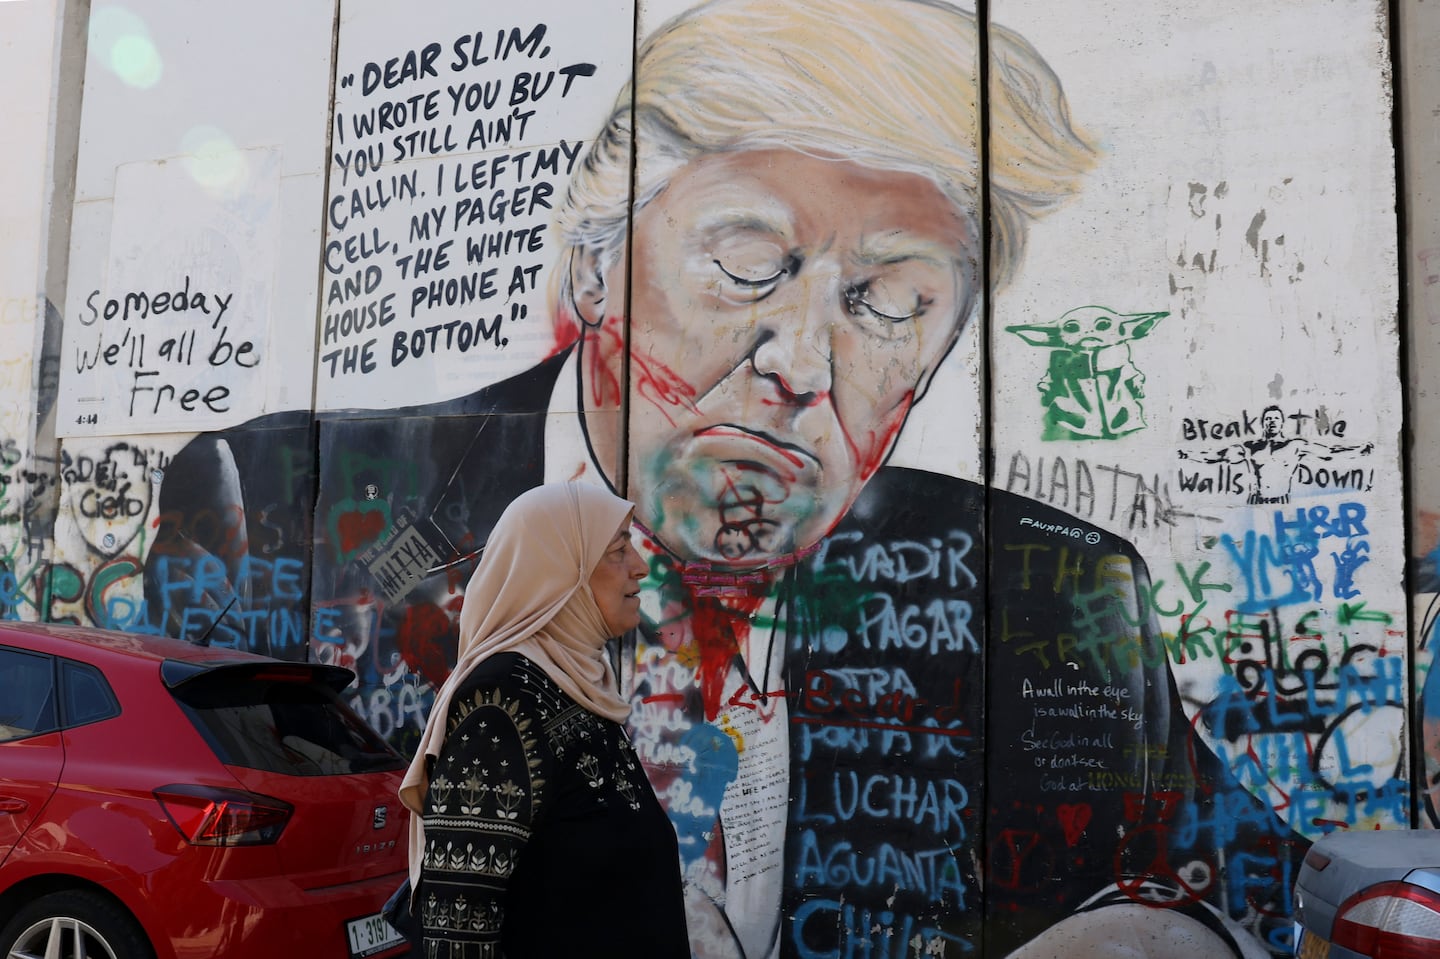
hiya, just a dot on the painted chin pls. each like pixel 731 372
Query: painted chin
pixel 741 497
pixel 749 493
pixel 745 518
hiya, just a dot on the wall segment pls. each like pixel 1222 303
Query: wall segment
pixel 337 292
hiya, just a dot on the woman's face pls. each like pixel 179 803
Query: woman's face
pixel 616 582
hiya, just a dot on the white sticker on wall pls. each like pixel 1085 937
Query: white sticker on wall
pixel 176 334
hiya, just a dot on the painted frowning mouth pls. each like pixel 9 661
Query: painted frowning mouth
pixel 757 450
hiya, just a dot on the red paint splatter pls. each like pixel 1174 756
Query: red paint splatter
pixel 879 445
pixel 720 625
pixel 358 528
pixel 1073 819
pixel 1008 855
pixel 424 638
pixel 663 389
pixel 566 328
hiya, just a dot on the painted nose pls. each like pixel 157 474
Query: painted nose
pixel 795 350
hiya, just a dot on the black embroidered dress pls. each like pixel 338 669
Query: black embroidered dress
pixel 543 837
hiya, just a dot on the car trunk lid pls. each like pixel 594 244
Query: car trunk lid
pixel 344 827
pixel 283 731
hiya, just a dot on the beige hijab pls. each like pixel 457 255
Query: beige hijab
pixel 531 595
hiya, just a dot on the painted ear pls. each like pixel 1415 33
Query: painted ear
pixel 1037 335
pixel 1139 324
pixel 587 285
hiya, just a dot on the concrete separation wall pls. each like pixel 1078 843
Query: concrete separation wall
pixel 1012 405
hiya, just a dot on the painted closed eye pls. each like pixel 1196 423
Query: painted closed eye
pixel 756 287
pixel 881 301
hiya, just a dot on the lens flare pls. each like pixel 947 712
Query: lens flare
pixel 121 40
pixel 213 160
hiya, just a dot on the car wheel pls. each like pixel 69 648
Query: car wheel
pixel 73 925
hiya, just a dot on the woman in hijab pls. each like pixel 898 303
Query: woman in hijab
pixel 538 834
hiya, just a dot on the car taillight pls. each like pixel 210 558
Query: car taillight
pixel 1390 920
pixel 210 816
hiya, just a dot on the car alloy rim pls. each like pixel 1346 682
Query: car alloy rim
pixel 60 937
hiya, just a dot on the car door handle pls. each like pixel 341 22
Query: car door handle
pixel 12 805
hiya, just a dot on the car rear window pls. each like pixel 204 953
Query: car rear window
pixel 293 725
pixel 27 694
pixel 88 698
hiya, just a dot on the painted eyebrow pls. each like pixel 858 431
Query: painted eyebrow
pixel 745 221
pixel 897 246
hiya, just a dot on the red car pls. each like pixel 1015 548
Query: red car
pixel 169 800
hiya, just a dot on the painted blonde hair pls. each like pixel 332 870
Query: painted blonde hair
pixel 889 84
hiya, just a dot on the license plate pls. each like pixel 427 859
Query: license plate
pixel 1312 946
pixel 370 935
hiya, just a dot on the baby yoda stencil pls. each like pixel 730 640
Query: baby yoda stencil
pixel 1092 389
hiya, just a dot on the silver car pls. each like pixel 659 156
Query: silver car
pixel 1370 895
